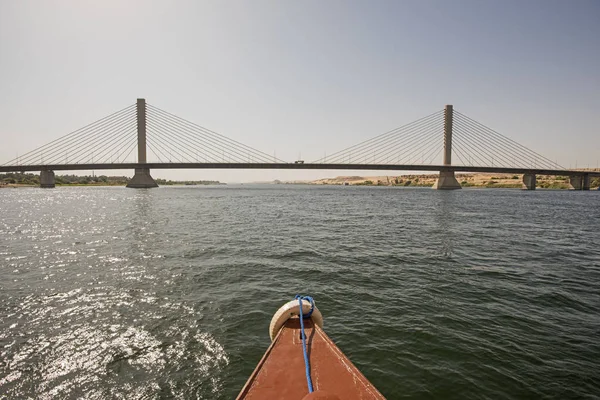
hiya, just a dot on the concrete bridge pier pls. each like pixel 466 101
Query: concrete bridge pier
pixel 529 181
pixel 580 182
pixel 142 178
pixel 447 180
pixel 47 179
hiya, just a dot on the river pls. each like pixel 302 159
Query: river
pixel 168 293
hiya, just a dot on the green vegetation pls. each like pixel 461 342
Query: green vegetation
pixel 19 179
pixel 365 183
pixel 553 185
pixel 75 180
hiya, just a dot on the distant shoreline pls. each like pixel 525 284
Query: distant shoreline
pixel 32 180
pixel 18 185
pixel 483 181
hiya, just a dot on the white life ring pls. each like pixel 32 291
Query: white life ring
pixel 290 309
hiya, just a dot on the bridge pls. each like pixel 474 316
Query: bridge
pixel 426 144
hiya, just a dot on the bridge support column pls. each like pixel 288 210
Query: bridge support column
pixel 529 181
pixel 47 179
pixel 447 180
pixel 141 179
pixel 580 182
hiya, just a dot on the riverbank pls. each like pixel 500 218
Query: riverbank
pixel 466 180
pixel 15 180
pixel 19 185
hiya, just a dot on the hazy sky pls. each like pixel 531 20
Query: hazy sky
pixel 304 78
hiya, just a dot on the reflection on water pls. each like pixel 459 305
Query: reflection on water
pixel 112 335
pixel 168 293
pixel 64 344
pixel 445 214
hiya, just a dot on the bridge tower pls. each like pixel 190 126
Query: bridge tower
pixel 447 180
pixel 141 178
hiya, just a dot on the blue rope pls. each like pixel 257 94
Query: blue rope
pixel 306 363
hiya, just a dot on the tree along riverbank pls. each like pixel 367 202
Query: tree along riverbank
pixel 19 180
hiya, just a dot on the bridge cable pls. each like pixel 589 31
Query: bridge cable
pixel 394 133
pixel 70 136
pixel 498 147
pixel 119 146
pixel 105 147
pixel 406 139
pixel 97 145
pixel 473 144
pixel 50 154
pixel 410 139
pixel 493 143
pixel 215 144
pixel 150 146
pixel 132 146
pixel 215 135
pixel 499 152
pixel 217 150
pixel 173 146
pixel 458 140
pixel 190 140
pixel 167 149
pixel 547 162
pixel 508 141
pixel 100 143
pixel 380 139
pixel 412 143
pixel 456 146
pixel 437 155
pixel 417 143
pixel 406 135
pixel 430 140
pixel 73 146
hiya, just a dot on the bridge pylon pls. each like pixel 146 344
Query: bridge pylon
pixel 141 179
pixel 447 180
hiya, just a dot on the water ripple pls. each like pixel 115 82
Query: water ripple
pixel 476 294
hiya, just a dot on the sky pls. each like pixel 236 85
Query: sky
pixel 304 79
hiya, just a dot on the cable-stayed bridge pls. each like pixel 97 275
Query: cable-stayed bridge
pixel 144 137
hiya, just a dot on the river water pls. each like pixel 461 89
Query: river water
pixel 168 293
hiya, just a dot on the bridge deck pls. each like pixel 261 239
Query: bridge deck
pixel 306 166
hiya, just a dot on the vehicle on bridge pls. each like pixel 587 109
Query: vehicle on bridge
pixel 299 162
